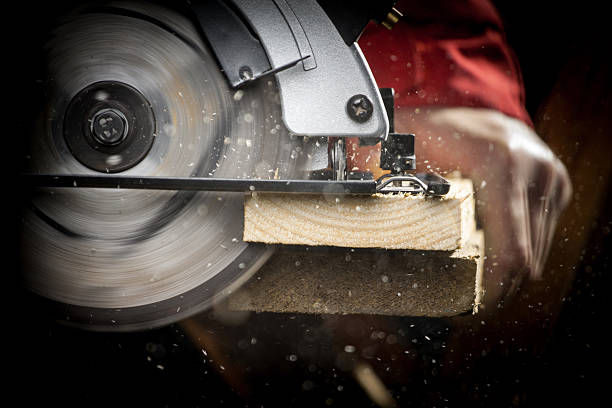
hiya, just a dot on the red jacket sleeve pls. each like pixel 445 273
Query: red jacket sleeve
pixel 447 53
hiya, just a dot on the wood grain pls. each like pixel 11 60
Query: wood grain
pixel 380 221
pixel 332 280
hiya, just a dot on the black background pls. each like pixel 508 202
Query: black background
pixel 52 364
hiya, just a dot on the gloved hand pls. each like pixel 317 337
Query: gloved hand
pixel 521 187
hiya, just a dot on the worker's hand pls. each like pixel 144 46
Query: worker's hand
pixel 521 187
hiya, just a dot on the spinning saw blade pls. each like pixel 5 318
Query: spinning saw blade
pixel 134 90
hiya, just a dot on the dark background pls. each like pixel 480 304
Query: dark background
pixel 549 348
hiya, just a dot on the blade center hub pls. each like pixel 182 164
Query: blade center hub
pixel 109 127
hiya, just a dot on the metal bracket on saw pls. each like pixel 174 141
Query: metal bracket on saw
pixel 318 75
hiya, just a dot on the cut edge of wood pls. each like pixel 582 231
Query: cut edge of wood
pixel 477 239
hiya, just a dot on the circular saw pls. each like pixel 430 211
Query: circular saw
pixel 156 123
pixel 135 91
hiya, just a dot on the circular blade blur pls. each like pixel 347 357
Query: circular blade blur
pixel 132 259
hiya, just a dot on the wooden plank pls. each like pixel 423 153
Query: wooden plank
pixel 380 221
pixel 333 280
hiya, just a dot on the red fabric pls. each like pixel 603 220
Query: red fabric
pixel 447 53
